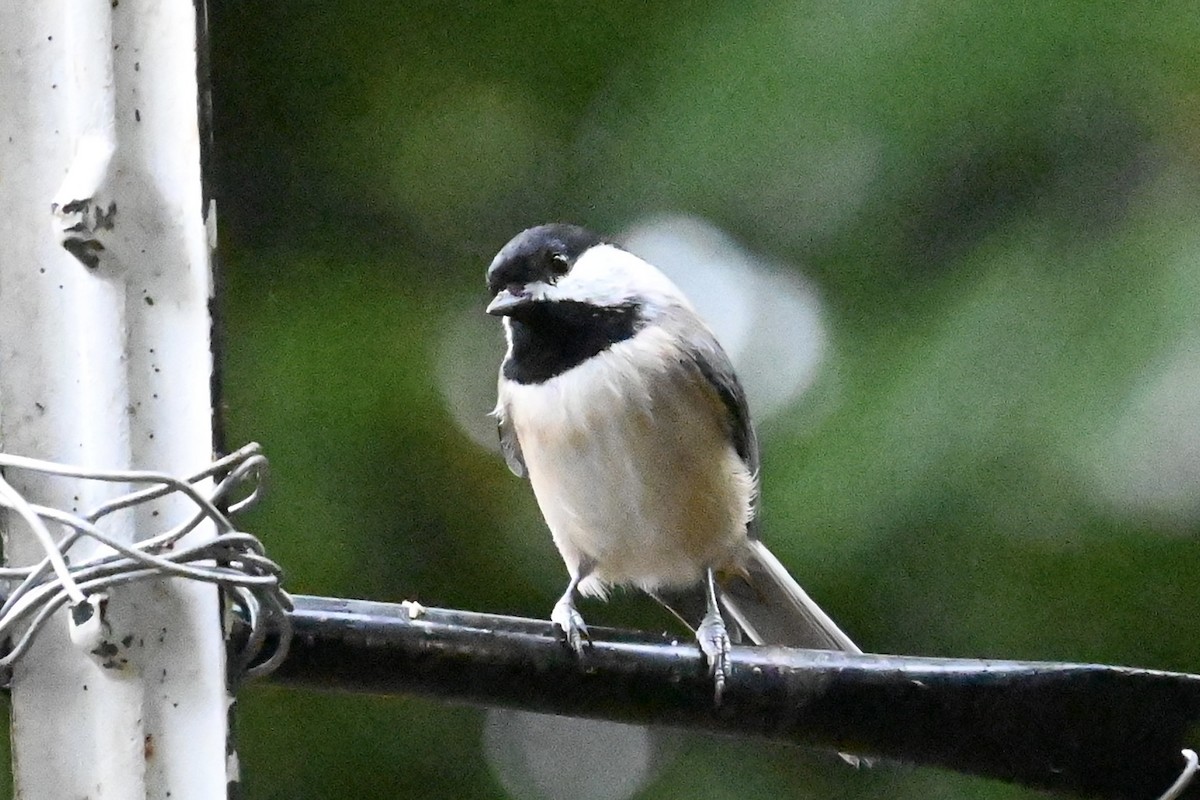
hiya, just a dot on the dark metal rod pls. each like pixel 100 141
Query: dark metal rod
pixel 1079 728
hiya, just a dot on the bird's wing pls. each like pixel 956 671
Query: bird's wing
pixel 509 444
pixel 767 603
pixel 712 362
pixel 714 366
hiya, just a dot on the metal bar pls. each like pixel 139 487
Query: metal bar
pixel 1079 728
pixel 105 362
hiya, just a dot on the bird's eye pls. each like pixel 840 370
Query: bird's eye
pixel 559 264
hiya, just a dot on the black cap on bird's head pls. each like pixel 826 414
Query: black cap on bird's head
pixel 537 255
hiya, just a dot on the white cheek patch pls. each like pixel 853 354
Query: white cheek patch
pixel 609 276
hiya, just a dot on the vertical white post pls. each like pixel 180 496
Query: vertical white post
pixel 105 361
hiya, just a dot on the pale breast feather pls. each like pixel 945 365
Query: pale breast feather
pixel 631 460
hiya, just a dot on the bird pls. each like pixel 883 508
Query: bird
pixel 617 403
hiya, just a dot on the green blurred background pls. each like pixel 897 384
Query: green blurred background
pixel 992 208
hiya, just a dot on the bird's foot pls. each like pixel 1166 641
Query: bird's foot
pixel 714 642
pixel 570 624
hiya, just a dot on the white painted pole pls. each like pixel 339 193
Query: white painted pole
pixel 105 361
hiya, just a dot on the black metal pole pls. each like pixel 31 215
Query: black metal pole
pixel 1085 729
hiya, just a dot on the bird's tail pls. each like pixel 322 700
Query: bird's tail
pixel 767 606
pixel 771 608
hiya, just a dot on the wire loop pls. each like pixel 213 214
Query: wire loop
pixel 1191 764
pixel 232 559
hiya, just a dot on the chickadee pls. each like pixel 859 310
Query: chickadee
pixel 619 405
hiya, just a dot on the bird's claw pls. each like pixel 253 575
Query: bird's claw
pixel 571 627
pixel 714 642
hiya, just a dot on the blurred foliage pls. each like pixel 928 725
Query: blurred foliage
pixel 998 203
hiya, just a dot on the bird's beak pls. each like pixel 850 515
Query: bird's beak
pixel 507 301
